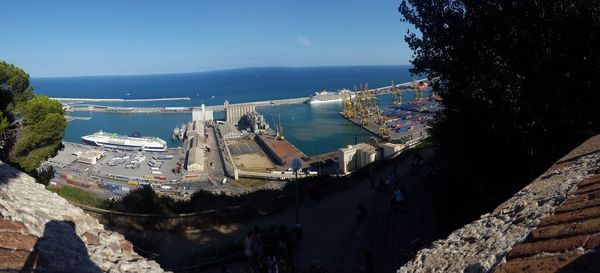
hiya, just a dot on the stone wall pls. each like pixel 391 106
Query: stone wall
pixel 41 231
pixel 483 245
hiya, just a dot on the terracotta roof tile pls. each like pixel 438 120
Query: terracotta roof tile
pixel 16 241
pixel 543 264
pixel 564 230
pixel 12 259
pixel 590 181
pixel 579 205
pixel 588 189
pixel 593 242
pixel 12 226
pixel 571 216
pixel 551 245
pixel 588 263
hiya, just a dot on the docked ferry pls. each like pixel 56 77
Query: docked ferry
pixel 326 96
pixel 131 142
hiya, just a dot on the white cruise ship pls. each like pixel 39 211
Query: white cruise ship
pixel 115 141
pixel 325 96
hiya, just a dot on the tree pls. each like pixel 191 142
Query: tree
pixel 520 82
pixel 37 108
pixel 3 124
pixel 44 127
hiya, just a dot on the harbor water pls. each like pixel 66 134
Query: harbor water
pixel 314 129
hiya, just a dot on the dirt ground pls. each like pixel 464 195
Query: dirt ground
pixel 253 162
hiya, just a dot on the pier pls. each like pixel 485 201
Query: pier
pixel 117 100
pixel 179 110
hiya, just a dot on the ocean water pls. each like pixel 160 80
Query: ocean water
pixel 314 129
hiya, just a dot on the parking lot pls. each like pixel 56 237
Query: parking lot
pixel 132 165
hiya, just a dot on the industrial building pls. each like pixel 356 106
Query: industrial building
pixel 194 129
pixel 229 131
pixel 195 162
pixel 255 122
pixel 202 114
pixel 233 114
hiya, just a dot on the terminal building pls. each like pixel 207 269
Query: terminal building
pixel 90 156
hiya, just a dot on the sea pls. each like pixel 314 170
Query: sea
pixel 314 129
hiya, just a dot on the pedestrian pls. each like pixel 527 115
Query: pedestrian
pixel 257 247
pixel 248 246
pixel 368 266
pixel 362 213
pixel 397 197
pixel 273 265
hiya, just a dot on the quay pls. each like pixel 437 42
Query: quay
pixel 73 107
pixel 119 100
pixel 72 118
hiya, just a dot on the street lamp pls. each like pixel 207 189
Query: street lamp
pixel 296 165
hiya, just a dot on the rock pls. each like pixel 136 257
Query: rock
pixel 481 245
pixel 69 239
pixel 90 238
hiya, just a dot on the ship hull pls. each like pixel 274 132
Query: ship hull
pixel 317 101
pixel 125 143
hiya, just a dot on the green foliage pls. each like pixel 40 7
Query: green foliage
pixel 80 196
pixel 39 107
pixel 3 123
pixel 44 121
pixel 15 78
pixel 520 83
pixel 145 200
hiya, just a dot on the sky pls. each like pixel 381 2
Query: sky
pixel 84 38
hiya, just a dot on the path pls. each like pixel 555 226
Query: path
pixel 333 238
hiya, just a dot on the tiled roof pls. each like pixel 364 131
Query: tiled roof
pixel 567 241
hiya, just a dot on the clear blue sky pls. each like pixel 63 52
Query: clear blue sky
pixel 124 37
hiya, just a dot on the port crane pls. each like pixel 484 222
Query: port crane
pixel 396 95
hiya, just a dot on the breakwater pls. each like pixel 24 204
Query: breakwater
pixel 117 100
pixel 217 108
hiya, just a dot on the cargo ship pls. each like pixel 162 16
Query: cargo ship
pixel 326 96
pixel 131 142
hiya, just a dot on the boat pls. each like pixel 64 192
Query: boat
pixel 325 96
pixel 134 142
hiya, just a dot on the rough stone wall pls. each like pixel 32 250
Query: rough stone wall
pixel 41 231
pixel 482 245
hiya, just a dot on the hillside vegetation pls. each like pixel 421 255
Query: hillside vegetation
pixel 520 82
pixel 31 126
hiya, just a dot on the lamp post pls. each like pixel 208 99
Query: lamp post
pixel 296 165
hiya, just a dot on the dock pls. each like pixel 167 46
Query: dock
pixel 182 110
pixel 72 118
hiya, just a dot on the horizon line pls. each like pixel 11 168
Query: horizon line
pixel 211 70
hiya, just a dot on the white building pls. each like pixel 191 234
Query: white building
pixel 233 114
pixel 202 114
pixel 354 157
pixel 90 157
pixel 390 149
